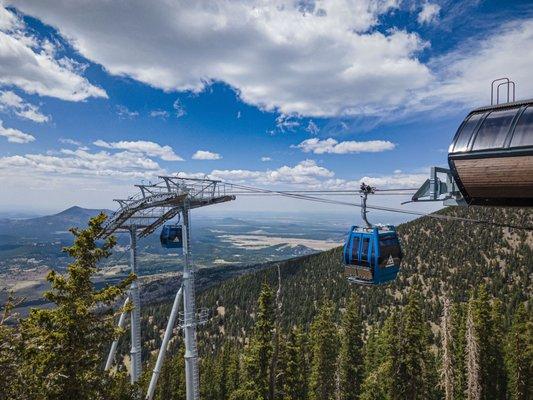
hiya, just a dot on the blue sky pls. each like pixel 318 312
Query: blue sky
pixel 96 96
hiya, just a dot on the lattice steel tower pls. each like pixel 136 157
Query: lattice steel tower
pixel 140 215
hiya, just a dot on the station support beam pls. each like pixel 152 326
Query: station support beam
pixel 135 352
pixel 113 350
pixel 164 345
pixel 189 315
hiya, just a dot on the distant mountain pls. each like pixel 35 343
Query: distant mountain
pixel 49 225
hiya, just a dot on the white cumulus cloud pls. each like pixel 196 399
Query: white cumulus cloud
pixel 396 180
pixel 159 113
pixel 306 172
pixel 80 162
pixel 14 135
pixel 429 13
pixel 70 141
pixel 125 113
pixel 31 64
pixel 278 55
pixel 206 155
pixel 287 123
pixel 312 128
pixel 142 146
pixel 332 146
pixel 11 102
pixel 466 73
pixel 179 108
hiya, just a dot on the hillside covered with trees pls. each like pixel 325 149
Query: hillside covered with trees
pixel 387 342
pixel 456 324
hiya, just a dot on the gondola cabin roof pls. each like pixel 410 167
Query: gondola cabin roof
pixel 499 127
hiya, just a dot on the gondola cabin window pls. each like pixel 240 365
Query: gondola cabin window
pixel 364 253
pixel 523 133
pixel 389 248
pixel 464 136
pixel 355 249
pixel 494 129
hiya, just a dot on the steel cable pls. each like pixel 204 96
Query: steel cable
pixel 374 207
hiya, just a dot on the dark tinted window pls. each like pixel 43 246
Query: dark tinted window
pixel 364 252
pixel 466 132
pixel 388 241
pixel 389 246
pixel 355 248
pixel 523 133
pixel 494 129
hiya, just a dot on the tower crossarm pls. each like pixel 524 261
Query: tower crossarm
pixel 158 202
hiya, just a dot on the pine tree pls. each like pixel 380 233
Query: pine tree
pixel 209 381
pixel 447 352
pixel 227 366
pixel 258 354
pixel 325 343
pixel 519 355
pixel 295 377
pixel 497 388
pixel 171 383
pixel 487 329
pixel 458 321
pixel 473 387
pixel 234 371
pixel 374 386
pixel 276 340
pixel 351 359
pixel 10 354
pixel 64 345
pixel 378 350
pixel 281 367
pixel 412 364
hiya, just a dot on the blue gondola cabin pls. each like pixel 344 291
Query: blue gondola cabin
pixel 171 236
pixel 372 256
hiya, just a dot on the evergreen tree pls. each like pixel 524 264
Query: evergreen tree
pixel 378 350
pixel 412 364
pixel 497 388
pixel 351 359
pixel 473 386
pixel 10 355
pixel 233 371
pixel 487 330
pixel 325 348
pixel 209 381
pixel 258 354
pixel 374 386
pixel 277 343
pixel 519 355
pixel 458 321
pixel 171 383
pixel 280 367
pixel 447 352
pixel 295 377
pixel 245 394
pixel 64 345
pixel 226 368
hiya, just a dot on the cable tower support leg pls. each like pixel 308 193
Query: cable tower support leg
pixel 164 345
pixel 114 345
pixel 189 315
pixel 135 351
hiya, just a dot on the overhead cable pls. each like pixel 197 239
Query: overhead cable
pixel 374 207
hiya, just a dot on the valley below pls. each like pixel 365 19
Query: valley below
pixel 223 247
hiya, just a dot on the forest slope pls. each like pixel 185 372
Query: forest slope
pixel 445 257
